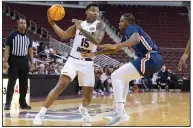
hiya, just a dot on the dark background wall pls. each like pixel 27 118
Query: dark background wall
pixel 41 85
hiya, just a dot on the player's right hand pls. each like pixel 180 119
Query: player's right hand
pixel 5 65
pixel 182 62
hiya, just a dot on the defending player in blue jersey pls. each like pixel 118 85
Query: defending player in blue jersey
pixel 149 61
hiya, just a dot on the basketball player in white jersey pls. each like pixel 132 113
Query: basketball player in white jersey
pixel 88 34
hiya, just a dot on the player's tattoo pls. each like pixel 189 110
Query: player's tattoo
pixel 98 35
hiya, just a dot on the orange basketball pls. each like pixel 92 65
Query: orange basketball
pixel 56 12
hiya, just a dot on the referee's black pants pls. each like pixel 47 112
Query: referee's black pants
pixel 18 67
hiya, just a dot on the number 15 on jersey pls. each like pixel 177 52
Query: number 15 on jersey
pixel 85 43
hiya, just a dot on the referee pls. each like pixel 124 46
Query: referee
pixel 17 48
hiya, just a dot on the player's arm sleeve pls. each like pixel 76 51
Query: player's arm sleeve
pixel 9 39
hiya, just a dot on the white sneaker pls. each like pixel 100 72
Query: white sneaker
pixel 125 117
pixel 116 119
pixel 38 119
pixel 84 112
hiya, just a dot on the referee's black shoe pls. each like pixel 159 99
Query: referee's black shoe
pixel 7 107
pixel 25 106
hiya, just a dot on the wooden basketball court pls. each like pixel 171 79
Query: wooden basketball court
pixel 145 109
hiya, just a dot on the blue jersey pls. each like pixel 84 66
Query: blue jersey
pixel 146 43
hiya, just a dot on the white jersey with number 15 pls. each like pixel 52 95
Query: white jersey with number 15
pixel 81 43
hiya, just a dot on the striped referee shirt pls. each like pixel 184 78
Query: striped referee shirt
pixel 19 43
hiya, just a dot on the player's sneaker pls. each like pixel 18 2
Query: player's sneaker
pixel 84 112
pixel 124 118
pixel 38 119
pixel 115 120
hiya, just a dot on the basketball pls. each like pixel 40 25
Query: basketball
pixel 56 12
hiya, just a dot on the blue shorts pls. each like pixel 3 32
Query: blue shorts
pixel 148 65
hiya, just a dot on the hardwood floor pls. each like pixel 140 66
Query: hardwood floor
pixel 145 109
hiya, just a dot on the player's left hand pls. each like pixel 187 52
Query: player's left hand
pixel 50 20
pixel 87 55
pixel 182 62
pixel 108 46
pixel 77 23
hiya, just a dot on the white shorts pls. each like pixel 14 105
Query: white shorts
pixel 84 70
